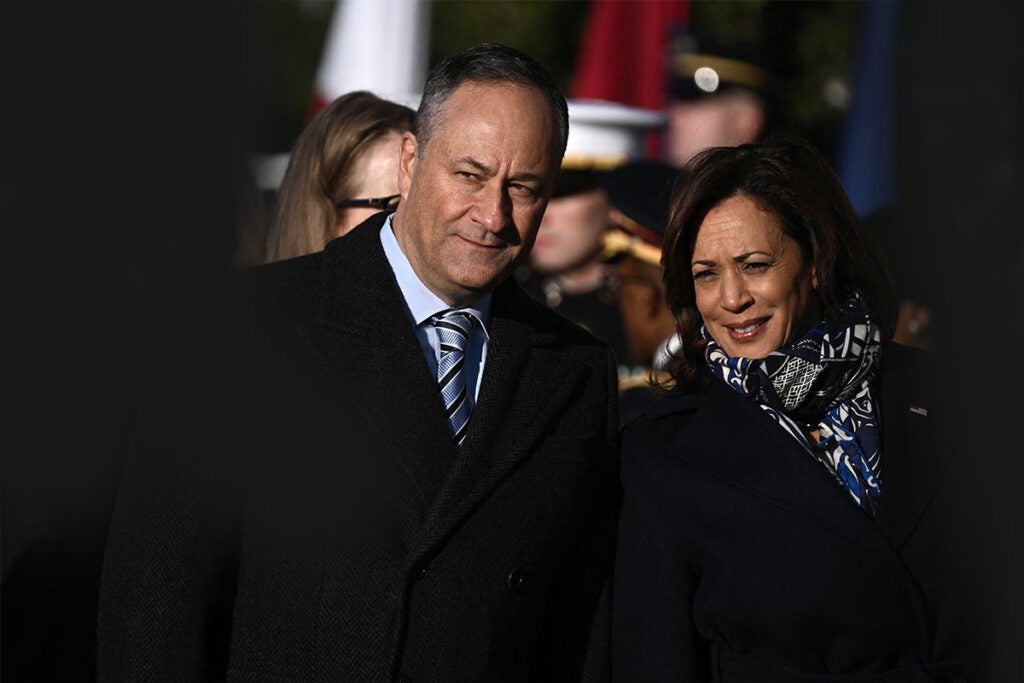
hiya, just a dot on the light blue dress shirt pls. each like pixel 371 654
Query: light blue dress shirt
pixel 422 304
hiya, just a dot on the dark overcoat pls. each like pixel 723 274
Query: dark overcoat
pixel 344 538
pixel 742 559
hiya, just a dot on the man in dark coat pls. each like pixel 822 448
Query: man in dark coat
pixel 360 528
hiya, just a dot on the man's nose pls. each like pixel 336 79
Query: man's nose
pixel 493 208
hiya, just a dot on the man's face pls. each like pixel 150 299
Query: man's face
pixel 728 119
pixel 570 234
pixel 473 197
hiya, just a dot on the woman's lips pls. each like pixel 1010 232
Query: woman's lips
pixel 747 330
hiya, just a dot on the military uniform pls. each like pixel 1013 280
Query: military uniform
pixel 602 137
pixel 640 194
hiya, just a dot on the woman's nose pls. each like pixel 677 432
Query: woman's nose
pixel 735 294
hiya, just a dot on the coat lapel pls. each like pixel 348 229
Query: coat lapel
pixel 368 343
pixel 765 461
pixel 525 383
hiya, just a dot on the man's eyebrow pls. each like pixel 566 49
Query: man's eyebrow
pixel 527 177
pixel 484 169
pixel 478 165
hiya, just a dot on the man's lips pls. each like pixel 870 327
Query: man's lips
pixel 481 245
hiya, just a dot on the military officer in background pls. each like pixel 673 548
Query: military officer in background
pixel 639 195
pixel 566 269
pixel 718 94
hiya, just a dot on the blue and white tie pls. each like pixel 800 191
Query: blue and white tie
pixel 453 328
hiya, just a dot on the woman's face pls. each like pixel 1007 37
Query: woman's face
pixel 755 289
pixel 374 174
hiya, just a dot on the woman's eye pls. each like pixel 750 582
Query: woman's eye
pixel 703 274
pixel 756 265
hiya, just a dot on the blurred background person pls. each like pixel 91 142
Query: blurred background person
pixel 566 270
pixel 343 168
pixel 718 94
pixel 785 514
pixel 639 194
pixel 914 289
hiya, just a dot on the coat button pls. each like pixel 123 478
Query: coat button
pixel 515 579
pixel 421 573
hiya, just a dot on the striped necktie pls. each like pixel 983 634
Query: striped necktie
pixel 453 329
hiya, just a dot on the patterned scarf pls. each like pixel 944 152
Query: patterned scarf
pixel 821 380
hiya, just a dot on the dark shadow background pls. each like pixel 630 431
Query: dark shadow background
pixel 962 137
pixel 123 146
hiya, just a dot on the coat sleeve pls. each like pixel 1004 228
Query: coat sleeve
pixel 165 593
pixel 653 632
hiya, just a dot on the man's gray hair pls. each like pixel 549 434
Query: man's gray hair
pixel 487 63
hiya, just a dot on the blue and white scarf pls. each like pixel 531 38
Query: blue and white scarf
pixel 821 380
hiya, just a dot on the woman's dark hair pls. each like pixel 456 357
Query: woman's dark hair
pixel 790 179
pixel 487 63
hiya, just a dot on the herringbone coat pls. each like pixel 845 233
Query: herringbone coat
pixel 367 548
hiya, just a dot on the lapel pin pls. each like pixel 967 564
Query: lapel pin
pixel 919 410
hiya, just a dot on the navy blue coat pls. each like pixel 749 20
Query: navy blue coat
pixel 741 559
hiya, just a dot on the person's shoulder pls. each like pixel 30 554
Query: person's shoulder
pixel 665 405
pixel 896 355
pixel 909 375
pixel 516 302
pixel 900 361
pixel 662 421
pixel 261 279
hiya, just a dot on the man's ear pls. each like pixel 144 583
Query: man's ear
pixel 407 163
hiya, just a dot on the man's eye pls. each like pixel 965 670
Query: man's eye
pixel 522 190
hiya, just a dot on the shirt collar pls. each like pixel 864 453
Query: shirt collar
pixel 423 304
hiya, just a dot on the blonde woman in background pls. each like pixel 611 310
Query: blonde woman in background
pixel 343 168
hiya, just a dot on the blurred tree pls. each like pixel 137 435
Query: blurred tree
pixel 281 44
pixel 548 31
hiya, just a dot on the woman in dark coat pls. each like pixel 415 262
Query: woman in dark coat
pixel 782 518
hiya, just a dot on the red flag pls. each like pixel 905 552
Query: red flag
pixel 624 54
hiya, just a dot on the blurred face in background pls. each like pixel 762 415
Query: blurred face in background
pixel 375 175
pixel 726 119
pixel 645 315
pixel 755 288
pixel 571 231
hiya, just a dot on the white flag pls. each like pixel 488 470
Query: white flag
pixel 376 45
